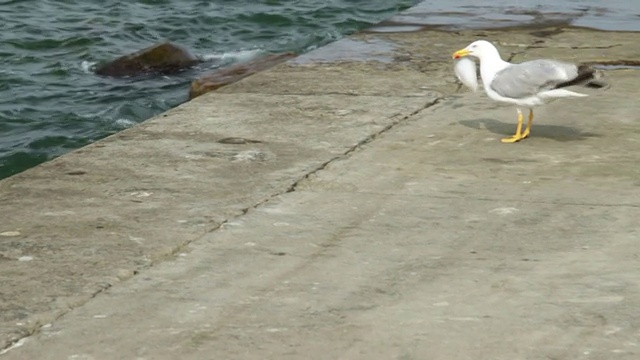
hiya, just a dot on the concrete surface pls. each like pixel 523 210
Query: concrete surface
pixel 341 209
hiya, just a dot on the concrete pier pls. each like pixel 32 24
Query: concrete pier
pixel 354 203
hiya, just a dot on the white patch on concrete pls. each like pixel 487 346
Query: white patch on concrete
pixel 274 210
pixel 137 240
pixel 442 303
pixel 141 194
pixel 250 155
pixel 100 316
pixel 464 319
pixel 612 330
pixel 59 213
pixel 343 112
pixel 601 299
pixel 275 330
pixel 25 258
pixel 17 344
pixel 81 357
pixel 280 224
pixel 198 309
pixel 504 210
pixel 231 223
pixel 194 157
pixel 10 233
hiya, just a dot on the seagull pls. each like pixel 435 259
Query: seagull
pixel 527 84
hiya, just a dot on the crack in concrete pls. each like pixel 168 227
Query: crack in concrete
pixel 38 326
pixel 363 142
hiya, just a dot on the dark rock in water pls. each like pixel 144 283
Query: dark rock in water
pixel 226 76
pixel 165 58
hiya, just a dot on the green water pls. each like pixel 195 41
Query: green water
pixel 51 102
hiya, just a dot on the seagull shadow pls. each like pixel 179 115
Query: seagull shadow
pixel 554 132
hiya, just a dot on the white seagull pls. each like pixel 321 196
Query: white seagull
pixel 527 84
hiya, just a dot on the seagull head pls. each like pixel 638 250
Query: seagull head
pixel 479 49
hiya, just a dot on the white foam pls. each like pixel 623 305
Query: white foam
pixel 233 56
pixel 123 123
pixel 88 66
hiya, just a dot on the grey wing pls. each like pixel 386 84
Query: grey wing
pixel 529 78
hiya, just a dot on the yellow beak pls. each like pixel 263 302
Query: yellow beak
pixel 460 53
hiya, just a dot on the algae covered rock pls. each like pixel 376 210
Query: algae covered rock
pixel 159 59
pixel 226 76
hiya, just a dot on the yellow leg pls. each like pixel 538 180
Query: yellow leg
pixel 518 135
pixel 527 131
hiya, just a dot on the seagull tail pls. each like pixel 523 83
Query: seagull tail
pixel 588 77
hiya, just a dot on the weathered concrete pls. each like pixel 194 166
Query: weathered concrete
pixel 370 212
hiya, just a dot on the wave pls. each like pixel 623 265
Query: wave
pixel 232 56
pixel 123 123
pixel 88 66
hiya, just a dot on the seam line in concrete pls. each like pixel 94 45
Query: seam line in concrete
pixel 488 199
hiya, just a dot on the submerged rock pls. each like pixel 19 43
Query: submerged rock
pixel 164 58
pixel 226 76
